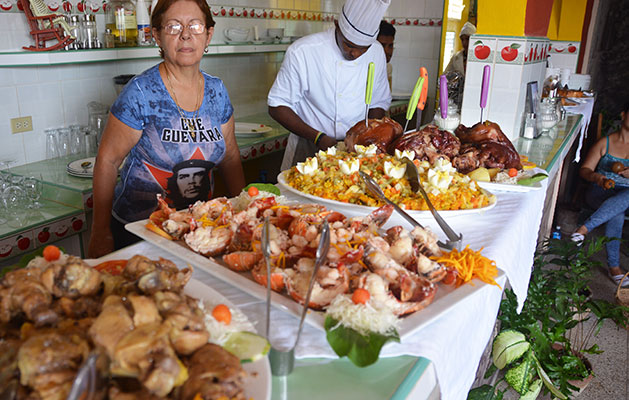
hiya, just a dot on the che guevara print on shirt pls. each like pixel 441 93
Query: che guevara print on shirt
pixel 177 151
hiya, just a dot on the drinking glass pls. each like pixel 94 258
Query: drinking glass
pixel 13 197
pixel 91 142
pixel 77 139
pixel 52 143
pixel 64 138
pixel 33 189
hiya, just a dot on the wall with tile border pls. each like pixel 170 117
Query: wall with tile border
pixel 57 95
pixel 514 62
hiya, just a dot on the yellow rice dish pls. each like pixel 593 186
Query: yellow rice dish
pixel 334 175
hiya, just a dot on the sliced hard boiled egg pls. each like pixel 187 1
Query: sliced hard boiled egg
pixel 394 171
pixel 309 166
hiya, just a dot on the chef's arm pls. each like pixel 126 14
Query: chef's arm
pixel 118 139
pixel 291 121
pixel 231 166
pixel 376 113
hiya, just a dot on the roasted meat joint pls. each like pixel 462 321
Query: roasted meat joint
pixel 151 337
pixel 482 145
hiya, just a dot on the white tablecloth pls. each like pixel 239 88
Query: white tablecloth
pixel 584 106
pixel 456 340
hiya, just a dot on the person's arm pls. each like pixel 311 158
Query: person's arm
pixel 231 166
pixel 291 121
pixel 118 139
pixel 587 170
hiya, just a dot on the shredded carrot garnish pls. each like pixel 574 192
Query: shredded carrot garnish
pixel 469 264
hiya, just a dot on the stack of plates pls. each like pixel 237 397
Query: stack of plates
pixel 83 168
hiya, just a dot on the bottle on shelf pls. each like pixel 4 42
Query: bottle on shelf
pixel 556 232
pixel 108 39
pixel 144 24
pixel 121 19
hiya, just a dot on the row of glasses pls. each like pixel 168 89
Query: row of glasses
pixel 74 140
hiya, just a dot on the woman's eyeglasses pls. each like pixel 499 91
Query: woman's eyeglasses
pixel 175 28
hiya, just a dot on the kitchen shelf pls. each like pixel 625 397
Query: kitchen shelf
pixel 29 58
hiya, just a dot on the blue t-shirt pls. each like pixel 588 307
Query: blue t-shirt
pixel 175 155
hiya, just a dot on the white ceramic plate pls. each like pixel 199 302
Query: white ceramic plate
pixel 75 168
pixel 258 380
pixel 507 187
pixel 354 209
pixel 445 298
pixel 237 41
pixel 245 129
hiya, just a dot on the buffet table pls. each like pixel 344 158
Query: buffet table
pixel 447 350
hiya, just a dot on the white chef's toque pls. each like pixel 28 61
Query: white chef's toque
pixel 360 20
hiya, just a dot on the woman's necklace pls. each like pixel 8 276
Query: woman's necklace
pixel 180 110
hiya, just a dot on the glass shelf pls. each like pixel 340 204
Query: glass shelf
pixel 29 58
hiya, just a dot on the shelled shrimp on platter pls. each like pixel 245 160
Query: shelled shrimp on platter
pixel 394 265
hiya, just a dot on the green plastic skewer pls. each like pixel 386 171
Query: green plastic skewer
pixel 369 91
pixel 412 104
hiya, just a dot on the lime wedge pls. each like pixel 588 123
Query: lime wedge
pixel 247 346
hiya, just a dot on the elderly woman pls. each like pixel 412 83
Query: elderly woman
pixel 172 115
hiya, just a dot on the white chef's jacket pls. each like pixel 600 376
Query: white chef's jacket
pixel 325 90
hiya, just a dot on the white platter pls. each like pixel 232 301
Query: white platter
pixel 258 380
pixel 355 209
pixel 245 129
pixel 508 187
pixel 445 298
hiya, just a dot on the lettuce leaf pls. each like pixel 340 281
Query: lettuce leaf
pixel 264 187
pixel 361 350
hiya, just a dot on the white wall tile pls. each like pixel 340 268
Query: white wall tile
pixel 433 9
pixel 25 75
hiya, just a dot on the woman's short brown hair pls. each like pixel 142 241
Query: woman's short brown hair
pixel 163 5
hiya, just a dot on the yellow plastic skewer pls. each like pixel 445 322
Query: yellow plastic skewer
pixel 369 91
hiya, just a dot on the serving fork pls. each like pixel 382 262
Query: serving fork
pixel 283 360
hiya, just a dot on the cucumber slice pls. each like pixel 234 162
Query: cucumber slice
pixel 247 346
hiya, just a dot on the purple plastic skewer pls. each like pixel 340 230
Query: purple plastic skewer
pixel 443 95
pixel 485 88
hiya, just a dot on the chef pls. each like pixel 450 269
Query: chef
pixel 319 92
pixel 458 63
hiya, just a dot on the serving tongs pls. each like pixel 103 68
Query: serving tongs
pixel 454 240
pixel 283 360
pixel 91 380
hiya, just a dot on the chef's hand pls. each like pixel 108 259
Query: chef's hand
pixel 101 243
pixel 325 142
pixel 624 173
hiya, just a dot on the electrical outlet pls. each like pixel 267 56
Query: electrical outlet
pixel 22 124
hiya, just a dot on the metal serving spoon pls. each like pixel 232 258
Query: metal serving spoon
pixel 375 189
pixel 283 361
pixel 454 240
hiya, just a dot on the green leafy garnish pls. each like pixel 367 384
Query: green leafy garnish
pixel 361 350
pixel 264 187
pixel 533 179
